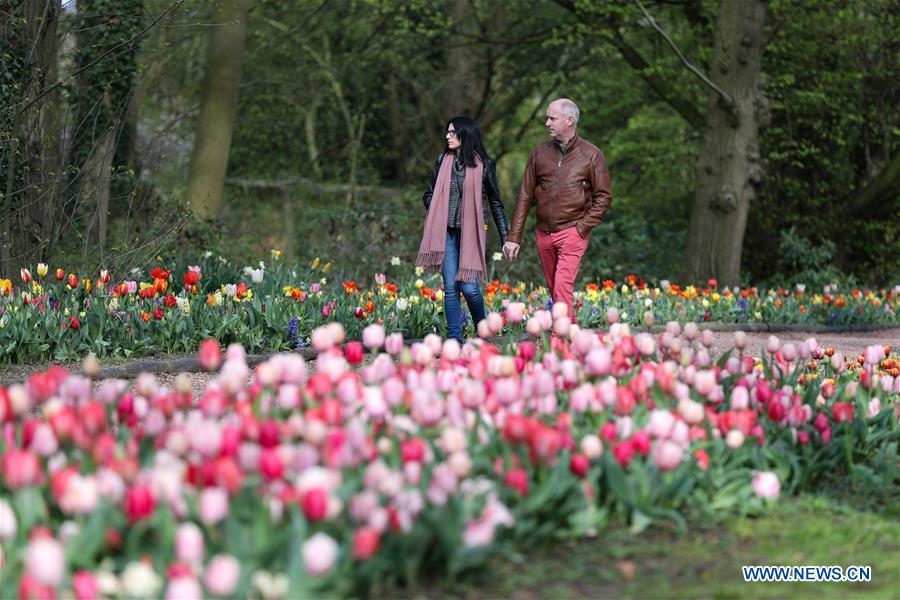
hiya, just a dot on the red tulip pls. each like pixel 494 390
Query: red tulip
pixel 270 464
pixel 579 465
pixel 191 278
pixel 623 453
pixel 641 442
pixel 517 479
pixel 366 542
pixel 354 352
pixel 139 503
pixel 842 412
pixel 73 281
pixel 608 431
pixel 60 274
pixel 315 504
pixel 412 450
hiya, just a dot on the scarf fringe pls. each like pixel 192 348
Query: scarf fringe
pixel 434 258
pixel 470 275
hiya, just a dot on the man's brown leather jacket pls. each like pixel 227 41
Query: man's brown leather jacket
pixel 571 189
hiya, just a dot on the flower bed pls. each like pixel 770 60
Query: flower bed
pixel 293 482
pixel 171 309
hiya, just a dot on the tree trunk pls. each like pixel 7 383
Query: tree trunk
pixel 28 44
pixel 218 106
pixel 96 172
pixel 729 162
pixel 461 80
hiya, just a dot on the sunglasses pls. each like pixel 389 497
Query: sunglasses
pixel 451 133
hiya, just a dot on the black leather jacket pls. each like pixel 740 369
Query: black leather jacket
pixel 490 195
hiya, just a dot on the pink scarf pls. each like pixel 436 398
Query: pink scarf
pixel 434 239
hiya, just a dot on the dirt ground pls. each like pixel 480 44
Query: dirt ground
pixel 851 344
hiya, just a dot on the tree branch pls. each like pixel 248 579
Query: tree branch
pixel 666 92
pixel 729 101
pixel 128 42
pixel 885 186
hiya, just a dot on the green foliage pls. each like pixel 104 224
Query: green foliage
pixel 834 125
pixel 801 261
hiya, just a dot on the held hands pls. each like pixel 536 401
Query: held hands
pixel 510 250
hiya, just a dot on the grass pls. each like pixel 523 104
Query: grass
pixel 704 563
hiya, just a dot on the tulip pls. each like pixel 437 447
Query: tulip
pixel 139 580
pixel 373 336
pixel 222 575
pixel 25 275
pixel 579 465
pixel 85 585
pixel 734 439
pixel 210 354
pixel 42 269
pixel 60 274
pixel 591 446
pixel 765 484
pixel 45 560
pixel 213 505
pixel 773 344
pixel 393 344
pixel 21 468
pixel 612 315
pixel 319 554
pixel 667 455
pixel 517 479
pixel 183 587
pixel 515 312
pixel 7 521
pixel 189 544
pixel 366 542
pixel 740 340
pixel 495 322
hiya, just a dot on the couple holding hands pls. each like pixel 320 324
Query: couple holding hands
pixel 566 177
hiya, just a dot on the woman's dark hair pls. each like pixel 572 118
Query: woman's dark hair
pixel 470 142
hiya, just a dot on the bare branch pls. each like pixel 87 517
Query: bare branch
pixel 725 96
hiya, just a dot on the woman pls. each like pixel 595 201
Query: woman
pixel 463 186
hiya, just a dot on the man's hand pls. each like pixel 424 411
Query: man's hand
pixel 511 250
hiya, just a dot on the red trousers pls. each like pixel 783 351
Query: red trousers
pixel 560 254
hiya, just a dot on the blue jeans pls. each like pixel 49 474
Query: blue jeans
pixel 470 289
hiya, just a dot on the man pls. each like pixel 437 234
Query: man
pixel 567 178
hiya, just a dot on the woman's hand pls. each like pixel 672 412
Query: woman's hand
pixel 510 250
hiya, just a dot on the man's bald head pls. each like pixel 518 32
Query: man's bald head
pixel 562 119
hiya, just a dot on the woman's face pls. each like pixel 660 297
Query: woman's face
pixel 452 138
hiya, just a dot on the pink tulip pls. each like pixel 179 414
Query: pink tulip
pixel 21 468
pixel 189 546
pixel 691 331
pixel 667 455
pixel 210 354
pixel 765 484
pixel 740 340
pixel 873 354
pixel 45 560
pixel 773 344
pixel 533 327
pixel 85 585
pixel 649 318
pixel 180 588
pixel 393 344
pixel 320 552
pixel 373 336
pixel 515 312
pixel 222 575
pixel 598 362
pixel 450 351
pixel 213 505
pixel 612 315
pixel 561 326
